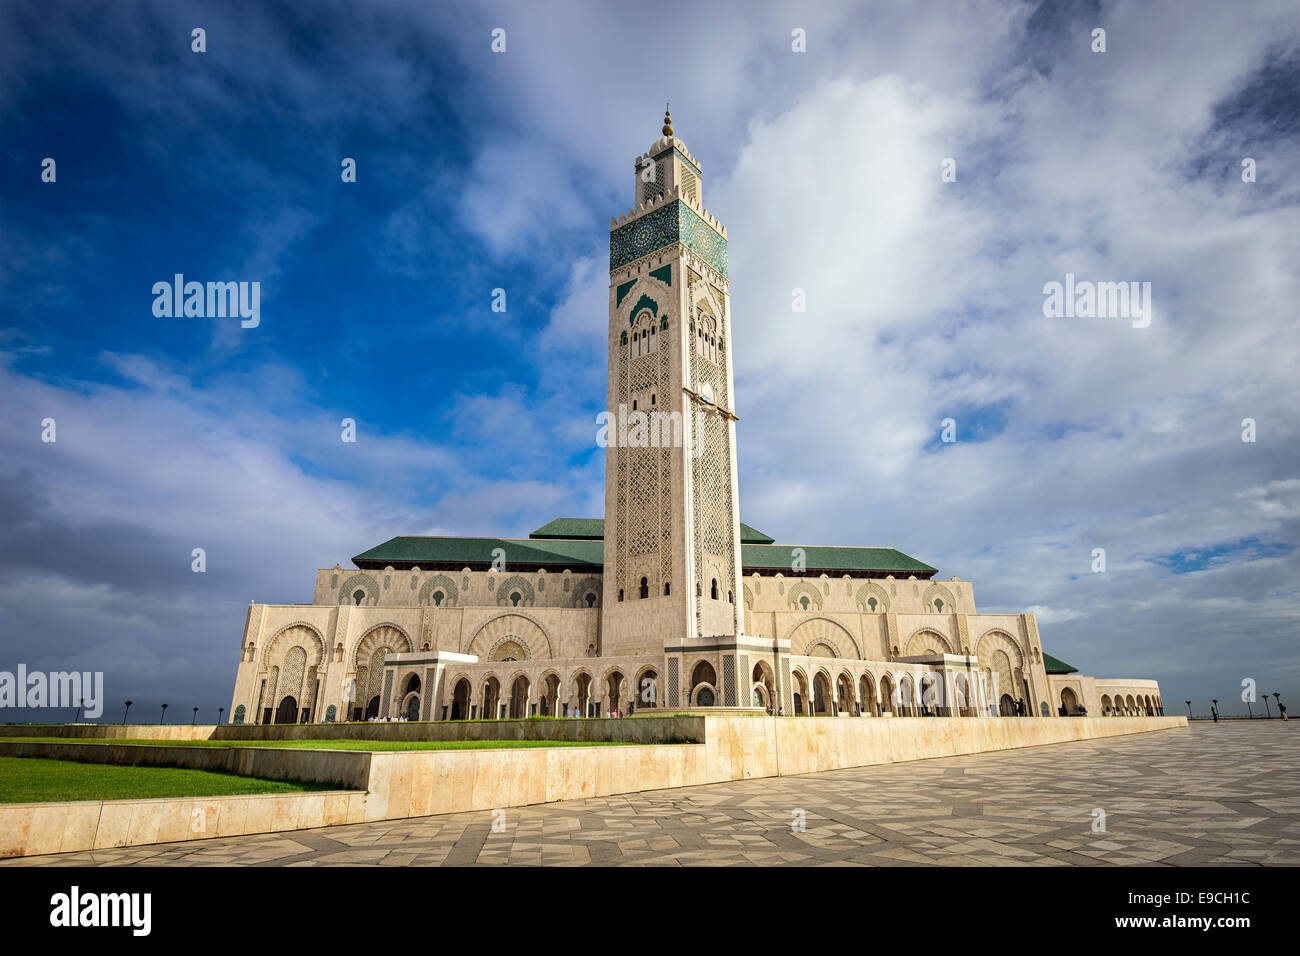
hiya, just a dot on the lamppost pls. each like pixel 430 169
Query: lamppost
pixel 1189 709
pixel 127 711
pixel 164 714
pixel 195 719
pixel 220 711
pixel 1268 713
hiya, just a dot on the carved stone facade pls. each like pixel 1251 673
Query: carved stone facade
pixel 670 602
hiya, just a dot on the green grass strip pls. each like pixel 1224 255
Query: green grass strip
pixel 37 780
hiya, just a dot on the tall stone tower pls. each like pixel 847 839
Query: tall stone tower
pixel 672 526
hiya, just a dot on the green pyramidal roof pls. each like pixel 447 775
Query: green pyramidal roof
pixel 593 529
pixel 578 543
pixel 1055 666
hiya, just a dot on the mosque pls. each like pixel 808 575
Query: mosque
pixel 670 601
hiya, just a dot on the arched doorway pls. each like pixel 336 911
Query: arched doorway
pixel 1006 706
pixel 491 698
pixel 550 702
pixel 960 704
pixel 287 712
pixel 646 691
pixel 614 692
pixel 519 698
pixel 372 708
pixel 821 695
pixel 411 697
pixel 867 695
pixel 906 700
pixel 703 674
pixel 765 689
pixel 800 693
pixel 887 701
pixel 583 685
pixel 460 700
pixel 844 694
pixel 1069 702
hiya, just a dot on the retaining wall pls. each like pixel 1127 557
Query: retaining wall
pixel 402 784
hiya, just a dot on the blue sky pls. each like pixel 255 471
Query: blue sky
pixel 479 171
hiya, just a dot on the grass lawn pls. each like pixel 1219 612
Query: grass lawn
pixel 338 744
pixel 34 779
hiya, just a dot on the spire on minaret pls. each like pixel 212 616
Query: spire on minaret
pixel 668 121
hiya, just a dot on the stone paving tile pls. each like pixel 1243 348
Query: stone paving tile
pixel 1223 794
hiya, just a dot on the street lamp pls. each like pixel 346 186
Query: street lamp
pixel 220 711
pixel 164 714
pixel 195 719
pixel 127 711
pixel 1189 709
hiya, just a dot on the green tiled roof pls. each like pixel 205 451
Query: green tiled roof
pixel 780 557
pixel 428 552
pixel 1054 666
pixel 588 528
pixel 593 529
pixel 577 543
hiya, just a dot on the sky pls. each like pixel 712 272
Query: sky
pixel 479 170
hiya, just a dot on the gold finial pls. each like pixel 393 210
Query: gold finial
pixel 668 121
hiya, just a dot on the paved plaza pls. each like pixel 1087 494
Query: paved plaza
pixel 1211 794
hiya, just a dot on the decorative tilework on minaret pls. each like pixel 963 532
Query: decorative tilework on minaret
pixel 671 516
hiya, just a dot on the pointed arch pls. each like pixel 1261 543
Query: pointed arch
pixel 523 628
pixel 298 632
pixel 937 599
pixel 926 640
pixel 866 594
pixel 813 630
pixel 438 583
pixel 364 583
pixel 804 597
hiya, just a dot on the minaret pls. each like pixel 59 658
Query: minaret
pixel 672 527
